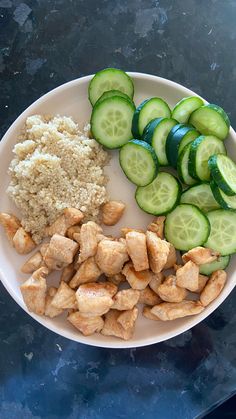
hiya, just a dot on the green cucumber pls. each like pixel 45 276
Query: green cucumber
pixel 201 196
pixel 174 140
pixel 139 162
pixel 182 166
pixel 185 107
pixel 160 196
pixel 146 111
pixel 222 237
pixel 111 93
pixel 211 120
pixel 221 263
pixel 200 151
pixel 225 201
pixel 110 79
pixel 186 227
pixel 223 171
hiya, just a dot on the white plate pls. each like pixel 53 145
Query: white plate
pixel 71 99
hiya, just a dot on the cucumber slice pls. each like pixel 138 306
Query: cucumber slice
pixel 155 133
pixel 186 227
pixel 174 140
pixel 222 237
pixel 139 162
pixel 111 93
pixel 223 171
pixel 225 201
pixel 211 120
pixel 185 107
pixel 160 196
pixel 189 137
pixel 201 196
pixel 146 111
pixel 111 121
pixel 110 79
pixel 221 263
pixel 201 150
pixel 182 166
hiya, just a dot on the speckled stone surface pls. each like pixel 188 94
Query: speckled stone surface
pixel 44 43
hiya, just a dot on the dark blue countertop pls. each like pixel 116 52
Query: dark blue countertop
pixel 44 43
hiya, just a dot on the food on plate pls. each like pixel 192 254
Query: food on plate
pixel 158 252
pixel 184 108
pixel 179 136
pixel 200 255
pixel 33 263
pixel 211 120
pixel 213 287
pixel 137 250
pixel 157 226
pixel 170 291
pixel 112 212
pixel 10 224
pixel 22 242
pixel 200 195
pixel 149 109
pixel 188 276
pixel 34 291
pixel 126 299
pixel 172 311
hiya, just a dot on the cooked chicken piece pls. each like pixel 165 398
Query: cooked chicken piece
pixel 117 279
pixel 172 258
pixel 67 273
pixel 95 299
pixel 64 297
pixel 202 280
pixel 169 291
pixel 61 249
pixel 128 318
pixel 213 287
pixel 137 280
pixel 112 212
pixel 10 224
pixel 70 217
pixel 148 314
pixel 176 267
pixel 50 310
pixel 126 230
pixel 172 311
pixel 137 250
pixel 23 242
pixel 101 237
pixel 86 325
pixel 200 255
pixel 113 328
pixel 88 240
pixel 34 291
pixel 187 276
pixel 157 226
pixel 87 272
pixel 158 252
pixel 149 297
pixel 73 233
pixel 126 299
pixel 156 280
pixel 111 256
pixel 32 264
pixel 43 249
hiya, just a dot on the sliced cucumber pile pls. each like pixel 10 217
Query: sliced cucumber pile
pixel 186 227
pixel 223 171
pixel 201 196
pixel 224 201
pixel 185 107
pixel 146 111
pixel 139 162
pixel 221 263
pixel 211 120
pixel 222 236
pixel 177 139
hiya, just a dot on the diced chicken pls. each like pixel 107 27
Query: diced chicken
pixel 34 291
pixel 50 310
pixel 200 255
pixel 148 313
pixel 137 280
pixel 172 257
pixel 128 318
pixel 176 267
pixel 126 299
pixel 158 252
pixel 43 249
pixel 73 233
pixel 187 276
pixel 32 264
pixel 149 297
pixel 67 273
pixel 87 272
pixel 157 226
pixel 156 280
pixel 23 242
pixel 172 311
pixel 10 224
pixel 95 299
pixel 113 328
pixel 64 297
pixel 61 250
pixel 86 325
pixel 126 230
pixel 169 291
pixel 202 280
pixel 70 217
pixel 112 212
pixel 88 240
pixel 213 287
pixel 117 279
pixel 137 250
pixel 111 256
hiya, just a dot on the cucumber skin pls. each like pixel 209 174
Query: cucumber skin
pixel 179 168
pixel 147 147
pixel 218 197
pixel 149 129
pixel 217 109
pixel 221 112
pixel 134 128
pixel 215 173
pixel 209 272
pixel 182 101
pixel 193 155
pixel 173 141
pixel 166 212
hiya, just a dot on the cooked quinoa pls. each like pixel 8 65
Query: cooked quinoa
pixel 56 166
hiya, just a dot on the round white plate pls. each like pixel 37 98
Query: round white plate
pixel 71 99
